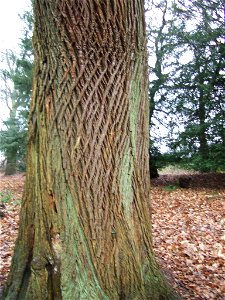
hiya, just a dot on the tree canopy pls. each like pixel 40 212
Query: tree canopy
pixel 187 89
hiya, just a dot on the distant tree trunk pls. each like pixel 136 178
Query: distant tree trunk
pixel 202 135
pixel 10 156
pixel 85 229
pixel 153 169
pixel 12 149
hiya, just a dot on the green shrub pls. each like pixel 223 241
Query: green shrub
pixel 170 188
pixel 5 196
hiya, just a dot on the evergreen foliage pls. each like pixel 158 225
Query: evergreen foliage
pixel 16 94
pixel 187 90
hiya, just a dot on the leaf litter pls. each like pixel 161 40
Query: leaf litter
pixel 189 234
pixel 188 231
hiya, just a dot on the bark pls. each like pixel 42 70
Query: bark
pixel 85 229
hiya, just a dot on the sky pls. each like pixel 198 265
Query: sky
pixel 10 24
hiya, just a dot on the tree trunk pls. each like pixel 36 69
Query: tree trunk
pixel 12 149
pixel 10 156
pixel 202 134
pixel 85 230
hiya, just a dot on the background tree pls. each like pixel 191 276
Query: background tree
pixel 200 99
pixel 191 100
pixel 162 64
pixel 85 230
pixel 15 94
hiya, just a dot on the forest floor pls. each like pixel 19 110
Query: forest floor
pixel 188 231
